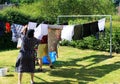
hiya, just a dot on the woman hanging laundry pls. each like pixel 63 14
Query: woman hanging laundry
pixel 26 60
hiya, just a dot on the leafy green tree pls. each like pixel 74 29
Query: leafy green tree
pixel 53 8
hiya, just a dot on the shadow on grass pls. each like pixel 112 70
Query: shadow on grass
pixel 83 74
pixel 95 59
pixel 59 82
pixel 40 79
pixel 9 75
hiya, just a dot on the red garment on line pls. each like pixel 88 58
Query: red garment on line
pixel 7 25
pixel 44 39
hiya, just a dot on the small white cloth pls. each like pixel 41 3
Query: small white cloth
pixel 32 25
pixel 40 31
pixel 101 24
pixel 19 43
pixel 67 32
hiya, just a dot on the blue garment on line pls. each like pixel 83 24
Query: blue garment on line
pixel 16 31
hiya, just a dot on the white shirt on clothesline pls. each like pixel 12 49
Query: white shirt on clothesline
pixel 40 31
pixel 32 25
pixel 101 24
pixel 67 32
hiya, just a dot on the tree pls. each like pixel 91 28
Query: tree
pixel 53 8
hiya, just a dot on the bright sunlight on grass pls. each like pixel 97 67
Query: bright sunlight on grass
pixel 73 66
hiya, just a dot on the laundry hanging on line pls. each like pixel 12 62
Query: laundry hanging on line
pixel 7 26
pixel 78 32
pixel 16 31
pixel 54 36
pixel 40 31
pixel 67 32
pixel 32 25
pixel 19 42
pixel 83 30
pixel 101 24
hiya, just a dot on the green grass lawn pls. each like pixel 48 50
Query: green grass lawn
pixel 74 66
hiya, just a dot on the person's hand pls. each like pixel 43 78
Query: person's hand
pixel 24 29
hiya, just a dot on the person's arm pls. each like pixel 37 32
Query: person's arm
pixel 37 42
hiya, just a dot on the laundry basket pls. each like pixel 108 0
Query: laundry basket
pixel 3 71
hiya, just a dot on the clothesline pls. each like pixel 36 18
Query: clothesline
pixel 67 32
pixel 77 16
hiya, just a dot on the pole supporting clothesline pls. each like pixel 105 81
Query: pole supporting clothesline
pixel 68 16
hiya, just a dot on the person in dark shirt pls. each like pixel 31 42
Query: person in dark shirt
pixel 26 59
